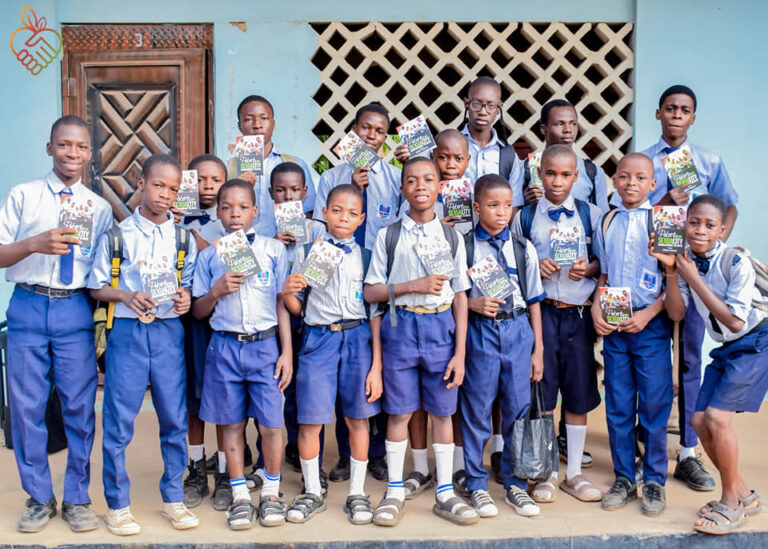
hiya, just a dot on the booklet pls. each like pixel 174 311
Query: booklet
pixel 564 245
pixel 158 278
pixel 616 304
pixel 534 163
pixel 321 263
pixel 669 229
pixel 353 150
pixel 457 199
pixel 76 214
pixel 188 199
pixel 250 154
pixel 490 278
pixel 415 133
pixel 435 255
pixel 290 218
pixel 236 253
pixel 681 170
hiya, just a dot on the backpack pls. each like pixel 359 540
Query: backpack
pixel 589 167
pixel 507 158
pixel 761 272
pixel 519 245
pixel 528 212
pixel 608 219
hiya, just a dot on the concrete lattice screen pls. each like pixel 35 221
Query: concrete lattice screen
pixel 425 68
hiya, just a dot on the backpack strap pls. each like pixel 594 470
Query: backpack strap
pixel 586 220
pixel 519 245
pixel 526 173
pixel 591 170
pixel 391 237
pixel 469 246
pixel 287 157
pixel 527 214
pixel 607 220
pixel 507 157
pixel 182 249
pixel 366 263
pixel 307 247
pixel 452 237
pixel 115 247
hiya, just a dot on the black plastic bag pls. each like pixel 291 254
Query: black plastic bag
pixel 534 453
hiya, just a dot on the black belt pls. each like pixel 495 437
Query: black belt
pixel 257 336
pixel 341 325
pixel 54 293
pixel 501 315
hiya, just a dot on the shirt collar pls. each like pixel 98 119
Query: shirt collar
pixel 212 213
pixel 57 185
pixel 410 225
pixel 644 206
pixel 146 226
pixel 545 204
pixel 715 250
pixel 661 145
pixel 482 234
pixel 494 137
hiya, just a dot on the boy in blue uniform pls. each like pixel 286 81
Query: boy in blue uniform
pixel 50 326
pixel 720 281
pixel 504 347
pixel 638 368
pixel 424 362
pixel 569 360
pixel 245 373
pixel 145 345
pixel 336 359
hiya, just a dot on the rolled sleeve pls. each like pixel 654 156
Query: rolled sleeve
pixel 536 291
pixel 738 296
pixel 10 216
pixel 201 284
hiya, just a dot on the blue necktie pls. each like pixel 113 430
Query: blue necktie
pixel 67 262
pixel 666 151
pixel 203 218
pixel 346 249
pixel 702 263
pixel 360 231
pixel 497 243
pixel 250 237
pixel 555 214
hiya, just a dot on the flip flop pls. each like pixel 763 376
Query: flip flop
pixel 581 488
pixel 456 510
pixel 724 518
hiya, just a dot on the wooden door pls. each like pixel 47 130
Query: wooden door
pixel 144 89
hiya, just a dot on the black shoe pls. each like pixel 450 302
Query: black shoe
pixel 196 484
pixel 460 483
pixel 340 471
pixel 692 471
pixel 222 492
pixel 212 465
pixel 36 515
pixel 562 448
pixel 496 467
pixel 247 456
pixel 292 456
pixel 654 499
pixel 377 466
pixel 80 516
pixel 620 494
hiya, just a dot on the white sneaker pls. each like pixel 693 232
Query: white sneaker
pixel 522 502
pixel 121 522
pixel 181 518
pixel 483 504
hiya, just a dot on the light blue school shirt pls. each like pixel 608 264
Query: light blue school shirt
pixel 33 208
pixel 316 230
pixel 485 160
pixel 212 230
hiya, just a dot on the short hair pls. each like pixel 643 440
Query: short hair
pixel 678 89
pixel 70 120
pixel 159 160
pixel 555 103
pixel 199 159
pixel 553 151
pixel 236 184
pixel 636 155
pixel 254 99
pixel 417 160
pixel 483 81
pixel 344 188
pixel 712 200
pixel 451 133
pixel 488 182
pixel 371 107
pixel 287 167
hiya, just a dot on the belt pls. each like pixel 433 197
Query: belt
pixel 257 336
pixel 343 325
pixel 419 310
pixel 563 305
pixel 54 293
pixel 501 315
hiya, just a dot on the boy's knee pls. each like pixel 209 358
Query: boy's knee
pixel 270 433
pixel 357 424
pixel 716 420
pixel 399 419
pixel 698 423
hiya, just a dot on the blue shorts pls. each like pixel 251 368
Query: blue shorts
pixel 239 382
pixel 197 333
pixel 415 355
pixel 334 363
pixel 737 378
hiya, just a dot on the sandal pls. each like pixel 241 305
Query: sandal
pixel 359 509
pixel 581 488
pixel 389 512
pixel 455 510
pixel 271 511
pixel 545 492
pixel 241 515
pixel 415 483
pixel 304 507
pixel 724 518
pixel 751 505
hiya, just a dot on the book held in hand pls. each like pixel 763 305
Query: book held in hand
pixel 236 253
pixel 534 163
pixel 564 245
pixel 669 229
pixel 490 278
pixel 290 218
pixel 415 133
pixel 615 304
pixel 435 255
pixel 158 278
pixel 321 262
pixel 681 169
pixel 457 199
pixel 250 154
pixel 353 150
pixel 188 199
pixel 76 215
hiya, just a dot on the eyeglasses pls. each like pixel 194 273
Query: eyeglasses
pixel 490 108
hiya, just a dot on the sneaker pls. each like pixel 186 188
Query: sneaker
pixel 247 456
pixel 196 484
pixel 121 522
pixel 222 492
pixel 654 499
pixel 340 471
pixel 180 516
pixel 522 502
pixel 241 515
pixel 212 465
pixel 36 515
pixel 692 471
pixel 377 466
pixel 620 493
pixel 80 516
pixel 483 504
pixel 271 511
pixel 496 467
pixel 562 447
pixel 292 456
pixel 459 483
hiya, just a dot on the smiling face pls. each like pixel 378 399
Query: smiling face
pixel 704 228
pixel 210 176
pixel 482 94
pixel 287 187
pixel 159 188
pixel 494 209
pixel 452 157
pixel 344 215
pixel 558 173
pixel 634 179
pixel 236 209
pixel 676 116
pixel 561 128
pixel 420 186
pixel 372 128
pixel 70 148
pixel 256 118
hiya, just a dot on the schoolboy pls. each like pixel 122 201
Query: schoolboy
pixel 211 175
pixel 50 326
pixel 720 281
pixel 638 367
pixel 569 362
pixel 424 362
pixel 145 346
pixel 504 347
pixel 336 360
pixel 245 373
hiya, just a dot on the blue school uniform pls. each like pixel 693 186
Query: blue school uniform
pixel 485 160
pixel 207 225
pixel 569 356
pixel 138 354
pixel 638 367
pixel 50 338
pixel 498 361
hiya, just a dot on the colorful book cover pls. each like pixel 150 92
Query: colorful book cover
pixel 290 218
pixel 681 169
pixel 321 263
pixel 534 163
pixel 415 133
pixel 76 214
pixel 353 150
pixel 564 245
pixel 490 278
pixel 250 154
pixel 188 199
pixel 457 199
pixel 616 304
pixel 236 253
pixel 435 254
pixel 669 229
pixel 158 278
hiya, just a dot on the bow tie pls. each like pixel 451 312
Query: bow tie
pixel 250 237
pixel 555 214
pixel 346 249
pixel 702 263
pixel 203 218
pixel 668 150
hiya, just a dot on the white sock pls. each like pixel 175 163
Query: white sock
pixel 686 453
pixel 420 463
pixel 222 463
pixel 458 458
pixel 310 468
pixel 395 462
pixel 444 463
pixel 239 489
pixel 272 484
pixel 576 435
pixel 357 471
pixel 497 444
pixel 196 452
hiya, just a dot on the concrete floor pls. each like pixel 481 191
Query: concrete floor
pixel 565 518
